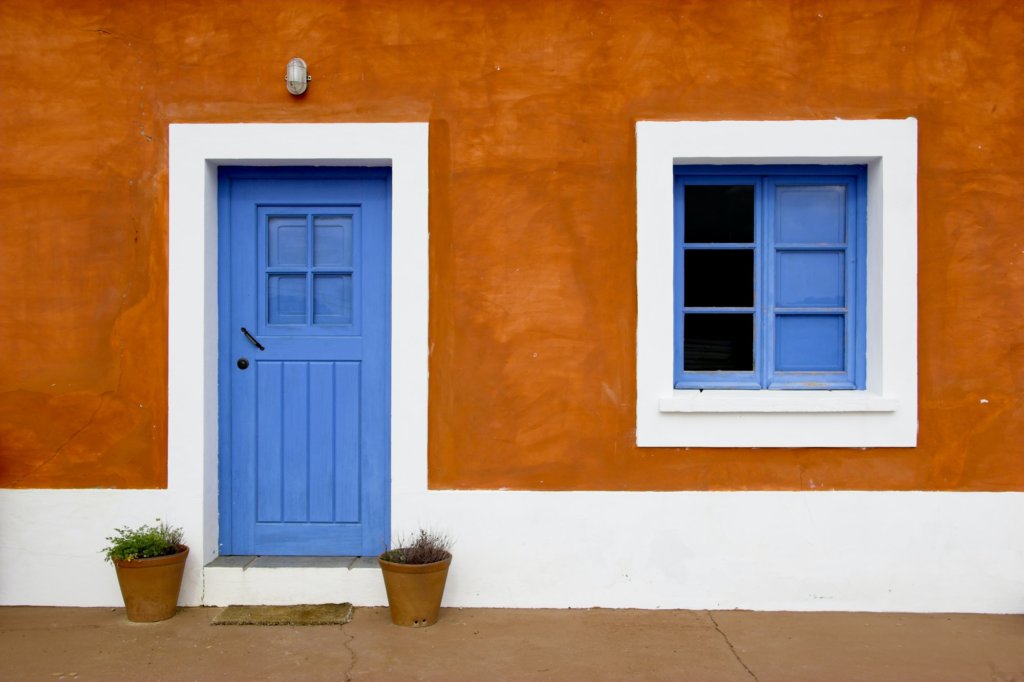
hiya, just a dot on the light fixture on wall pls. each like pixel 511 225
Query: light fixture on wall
pixel 296 77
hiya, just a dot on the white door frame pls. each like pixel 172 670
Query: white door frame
pixel 196 150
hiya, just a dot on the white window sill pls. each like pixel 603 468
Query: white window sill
pixel 738 402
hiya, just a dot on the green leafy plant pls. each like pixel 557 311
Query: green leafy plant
pixel 144 542
pixel 427 547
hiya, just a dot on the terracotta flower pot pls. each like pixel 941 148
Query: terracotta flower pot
pixel 150 587
pixel 414 591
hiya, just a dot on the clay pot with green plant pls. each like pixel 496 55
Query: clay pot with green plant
pixel 150 562
pixel 414 576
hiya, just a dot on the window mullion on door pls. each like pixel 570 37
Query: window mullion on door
pixel 309 272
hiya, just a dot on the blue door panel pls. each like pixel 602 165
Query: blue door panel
pixel 289 539
pixel 269 445
pixel 304 261
pixel 321 434
pixel 295 442
pixel 345 495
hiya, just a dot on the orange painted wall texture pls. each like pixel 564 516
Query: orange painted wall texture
pixel 532 106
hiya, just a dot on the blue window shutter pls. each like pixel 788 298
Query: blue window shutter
pixel 811 230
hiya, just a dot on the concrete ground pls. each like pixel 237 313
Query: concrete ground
pixel 496 644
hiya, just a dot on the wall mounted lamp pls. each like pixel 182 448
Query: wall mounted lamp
pixel 295 76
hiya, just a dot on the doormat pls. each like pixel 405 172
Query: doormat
pixel 301 614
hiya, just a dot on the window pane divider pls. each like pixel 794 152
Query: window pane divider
pixel 717 246
pixel 309 262
pixel 838 246
pixel 287 270
pixel 332 270
pixel 811 311
pixel 720 309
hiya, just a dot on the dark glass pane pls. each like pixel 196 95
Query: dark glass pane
pixel 718 214
pixel 718 342
pixel 718 278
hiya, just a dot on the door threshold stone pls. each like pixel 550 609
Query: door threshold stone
pixel 287 580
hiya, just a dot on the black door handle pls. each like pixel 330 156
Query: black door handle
pixel 252 339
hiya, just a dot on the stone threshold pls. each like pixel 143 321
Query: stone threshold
pixel 246 562
pixel 284 580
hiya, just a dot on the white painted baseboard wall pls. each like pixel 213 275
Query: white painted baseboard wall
pixel 802 551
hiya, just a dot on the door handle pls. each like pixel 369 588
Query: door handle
pixel 252 339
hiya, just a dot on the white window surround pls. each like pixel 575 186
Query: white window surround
pixel 882 415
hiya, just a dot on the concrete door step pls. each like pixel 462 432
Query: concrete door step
pixel 279 580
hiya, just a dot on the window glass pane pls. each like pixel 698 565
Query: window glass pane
pixel 811 278
pixel 332 241
pixel 809 343
pixel 286 296
pixel 811 214
pixel 332 299
pixel 286 240
pixel 718 342
pixel 718 213
pixel 718 278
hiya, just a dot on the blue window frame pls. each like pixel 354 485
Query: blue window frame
pixel 770 277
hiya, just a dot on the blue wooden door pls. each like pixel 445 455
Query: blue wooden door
pixel 304 360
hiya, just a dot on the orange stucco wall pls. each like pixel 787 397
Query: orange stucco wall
pixel 532 108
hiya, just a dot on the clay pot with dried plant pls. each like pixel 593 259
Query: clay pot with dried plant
pixel 415 574
pixel 150 562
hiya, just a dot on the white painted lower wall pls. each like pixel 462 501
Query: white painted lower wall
pixel 804 551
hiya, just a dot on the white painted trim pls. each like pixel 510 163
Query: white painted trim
pixel 885 414
pixel 196 150
pixel 776 401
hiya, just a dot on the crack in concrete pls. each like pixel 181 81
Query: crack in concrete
pixel 731 647
pixel 352 652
